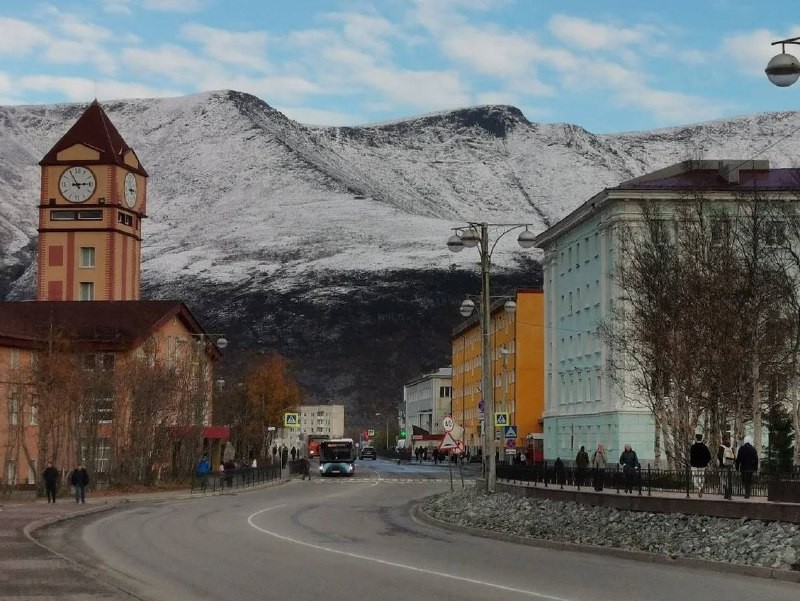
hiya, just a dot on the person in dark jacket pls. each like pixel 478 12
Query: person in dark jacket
pixel 293 453
pixel 582 463
pixel 699 458
pixel 50 476
pixel 630 463
pixel 79 480
pixel 747 463
pixel 284 457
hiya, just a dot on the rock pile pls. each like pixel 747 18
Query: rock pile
pixel 741 541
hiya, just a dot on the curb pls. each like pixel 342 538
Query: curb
pixel 423 517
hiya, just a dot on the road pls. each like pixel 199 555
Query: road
pixel 353 538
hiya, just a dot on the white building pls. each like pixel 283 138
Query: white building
pixel 428 398
pixel 322 419
pixel 582 406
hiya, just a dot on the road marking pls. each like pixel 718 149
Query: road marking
pixel 393 564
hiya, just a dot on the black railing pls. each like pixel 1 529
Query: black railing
pixel 232 479
pixel 646 480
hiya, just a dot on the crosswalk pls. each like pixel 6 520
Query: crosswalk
pixel 389 480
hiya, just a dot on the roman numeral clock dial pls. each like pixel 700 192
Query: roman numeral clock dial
pixel 77 184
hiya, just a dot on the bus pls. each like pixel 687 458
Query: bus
pixel 312 444
pixel 337 456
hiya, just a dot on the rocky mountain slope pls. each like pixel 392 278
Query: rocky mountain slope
pixel 328 243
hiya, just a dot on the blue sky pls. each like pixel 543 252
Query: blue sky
pixel 608 66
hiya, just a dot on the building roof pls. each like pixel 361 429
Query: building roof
pixel 442 372
pixel 724 176
pixel 97 325
pixel 94 129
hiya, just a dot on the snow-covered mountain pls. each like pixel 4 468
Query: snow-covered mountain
pixel 292 236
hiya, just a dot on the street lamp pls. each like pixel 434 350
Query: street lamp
pixel 470 236
pixel 386 419
pixel 218 339
pixel 784 69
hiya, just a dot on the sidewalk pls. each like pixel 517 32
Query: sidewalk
pixel 30 572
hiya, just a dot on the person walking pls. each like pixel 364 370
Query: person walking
pixel 305 467
pixel 599 463
pixel 293 452
pixel 630 463
pixel 284 457
pixel 747 463
pixel 79 480
pixel 726 459
pixel 203 468
pixel 50 476
pixel 699 458
pixel 582 463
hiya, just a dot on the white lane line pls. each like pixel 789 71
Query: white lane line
pixel 501 587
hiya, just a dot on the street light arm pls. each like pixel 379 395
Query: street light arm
pixel 511 228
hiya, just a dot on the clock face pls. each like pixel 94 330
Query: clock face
pixel 130 189
pixel 77 184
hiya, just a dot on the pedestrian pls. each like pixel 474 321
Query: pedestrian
pixel 203 468
pixel 294 453
pixel 747 464
pixel 274 453
pixel 254 464
pixel 559 469
pixel 284 457
pixel 305 468
pixel 582 463
pixel 50 476
pixel 435 454
pixel 630 463
pixel 699 458
pixel 599 463
pixel 726 459
pixel 79 480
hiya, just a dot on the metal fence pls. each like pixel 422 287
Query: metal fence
pixel 645 480
pixel 232 479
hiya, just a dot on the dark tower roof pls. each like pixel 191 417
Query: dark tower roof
pixel 94 129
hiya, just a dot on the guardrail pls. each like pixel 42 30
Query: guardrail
pixel 233 479
pixel 647 480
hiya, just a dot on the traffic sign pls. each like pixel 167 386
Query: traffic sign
pixel 371 432
pixel 291 420
pixel 511 443
pixel 448 442
pixel 501 419
pixel 509 431
pixel 448 424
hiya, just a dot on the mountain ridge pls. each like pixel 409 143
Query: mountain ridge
pixel 270 227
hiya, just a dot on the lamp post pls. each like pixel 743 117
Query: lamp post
pixel 386 419
pixel 783 69
pixel 472 235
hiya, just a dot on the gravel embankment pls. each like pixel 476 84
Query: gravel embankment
pixel 741 541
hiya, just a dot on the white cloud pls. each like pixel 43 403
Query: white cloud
pixel 591 35
pixel 368 32
pixel 246 48
pixel 179 6
pixel 81 88
pixel 496 98
pixel 750 51
pixel 271 89
pixel 74 52
pixel 119 7
pixel 171 61
pixel 426 90
pixel 19 37
pixel 311 116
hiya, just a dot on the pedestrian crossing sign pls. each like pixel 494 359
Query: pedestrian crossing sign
pixel 291 420
pixel 501 419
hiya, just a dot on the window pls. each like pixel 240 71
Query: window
pixel 14 358
pixel 774 233
pixel 34 416
pixel 87 291
pixel 104 410
pixel 125 219
pixel 107 362
pixel 11 472
pixel 62 215
pixel 720 231
pixel 90 215
pixel 87 256
pixel 13 408
pixel 31 471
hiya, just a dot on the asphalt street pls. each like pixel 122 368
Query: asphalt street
pixel 347 538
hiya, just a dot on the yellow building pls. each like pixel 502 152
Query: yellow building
pixel 517 343
pixel 74 376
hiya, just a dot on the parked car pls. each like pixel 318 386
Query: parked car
pixel 369 452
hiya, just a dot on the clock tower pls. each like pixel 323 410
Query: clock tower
pixel 93 200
